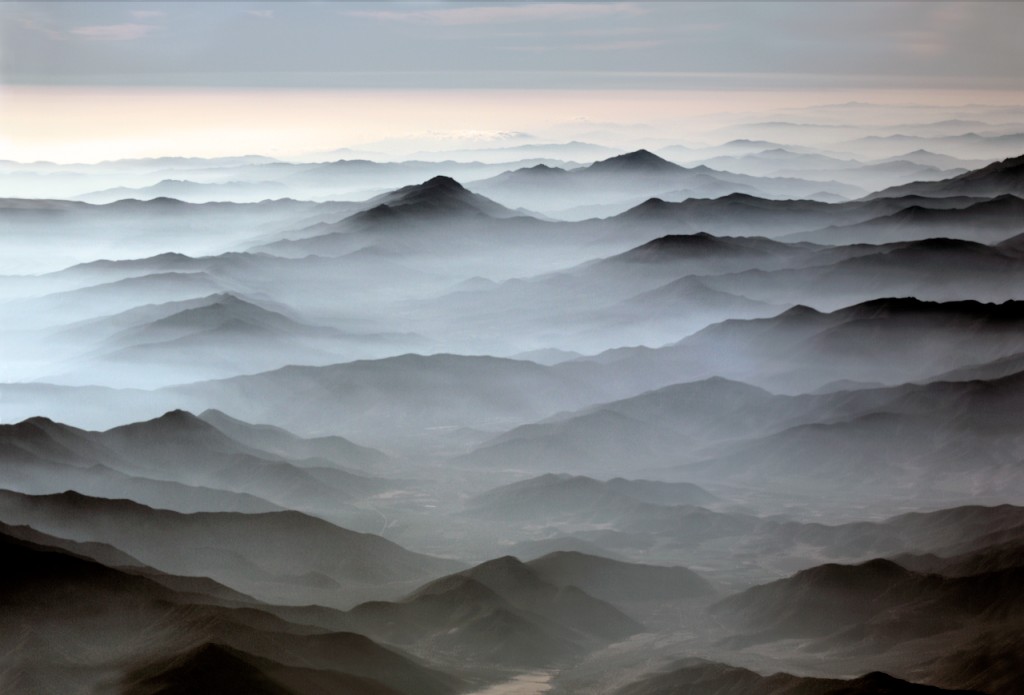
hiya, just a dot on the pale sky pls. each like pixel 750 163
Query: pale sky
pixel 89 79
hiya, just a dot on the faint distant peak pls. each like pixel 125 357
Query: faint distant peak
pixel 653 204
pixel 800 311
pixel 158 202
pixel 544 169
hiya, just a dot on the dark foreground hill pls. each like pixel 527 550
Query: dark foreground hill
pixel 501 612
pixel 83 621
pixel 697 677
pixel 271 555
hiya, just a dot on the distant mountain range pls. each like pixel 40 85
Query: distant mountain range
pixel 639 173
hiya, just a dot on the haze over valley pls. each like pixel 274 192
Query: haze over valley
pixel 718 399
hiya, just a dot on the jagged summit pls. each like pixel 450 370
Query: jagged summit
pixel 1010 310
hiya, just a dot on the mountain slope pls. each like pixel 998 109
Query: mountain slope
pixel 699 677
pixel 996 179
pixel 266 555
pixel 612 581
pixel 988 221
pixel 69 602
pixel 499 612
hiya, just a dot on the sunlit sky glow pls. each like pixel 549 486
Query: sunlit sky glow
pixel 83 81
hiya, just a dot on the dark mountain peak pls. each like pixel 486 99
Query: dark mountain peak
pixel 1008 163
pixel 504 565
pixel 878 572
pixel 506 576
pixel 887 307
pixel 638 161
pixel 749 199
pixel 673 247
pixel 437 188
pixel 73 498
pixel 1010 310
pixel 34 429
pixel 446 183
pixel 165 201
pixel 945 245
pixel 170 256
pixel 170 425
pixel 653 208
pixel 441 195
pixel 998 178
pixel 209 667
pixel 693 675
pixel 210 651
pixel 677 240
pixel 458 588
pixel 41 436
pixel 224 309
pixel 179 417
pixel 40 421
pixel 559 480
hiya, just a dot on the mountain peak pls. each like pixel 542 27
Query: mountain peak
pixel 505 563
pixel 440 195
pixel 445 182
pixel 173 423
pixel 180 417
pixel 40 421
pixel 436 188
pixel 503 575
pixel 877 572
pixel 673 247
pixel 800 311
pixel 640 160
pixel 1011 310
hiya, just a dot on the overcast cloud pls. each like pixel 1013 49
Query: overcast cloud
pixel 655 45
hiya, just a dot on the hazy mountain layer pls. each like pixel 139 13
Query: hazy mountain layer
pixel 733 417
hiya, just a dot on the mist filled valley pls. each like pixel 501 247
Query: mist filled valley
pixel 720 415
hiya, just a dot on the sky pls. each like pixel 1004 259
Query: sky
pixel 94 80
